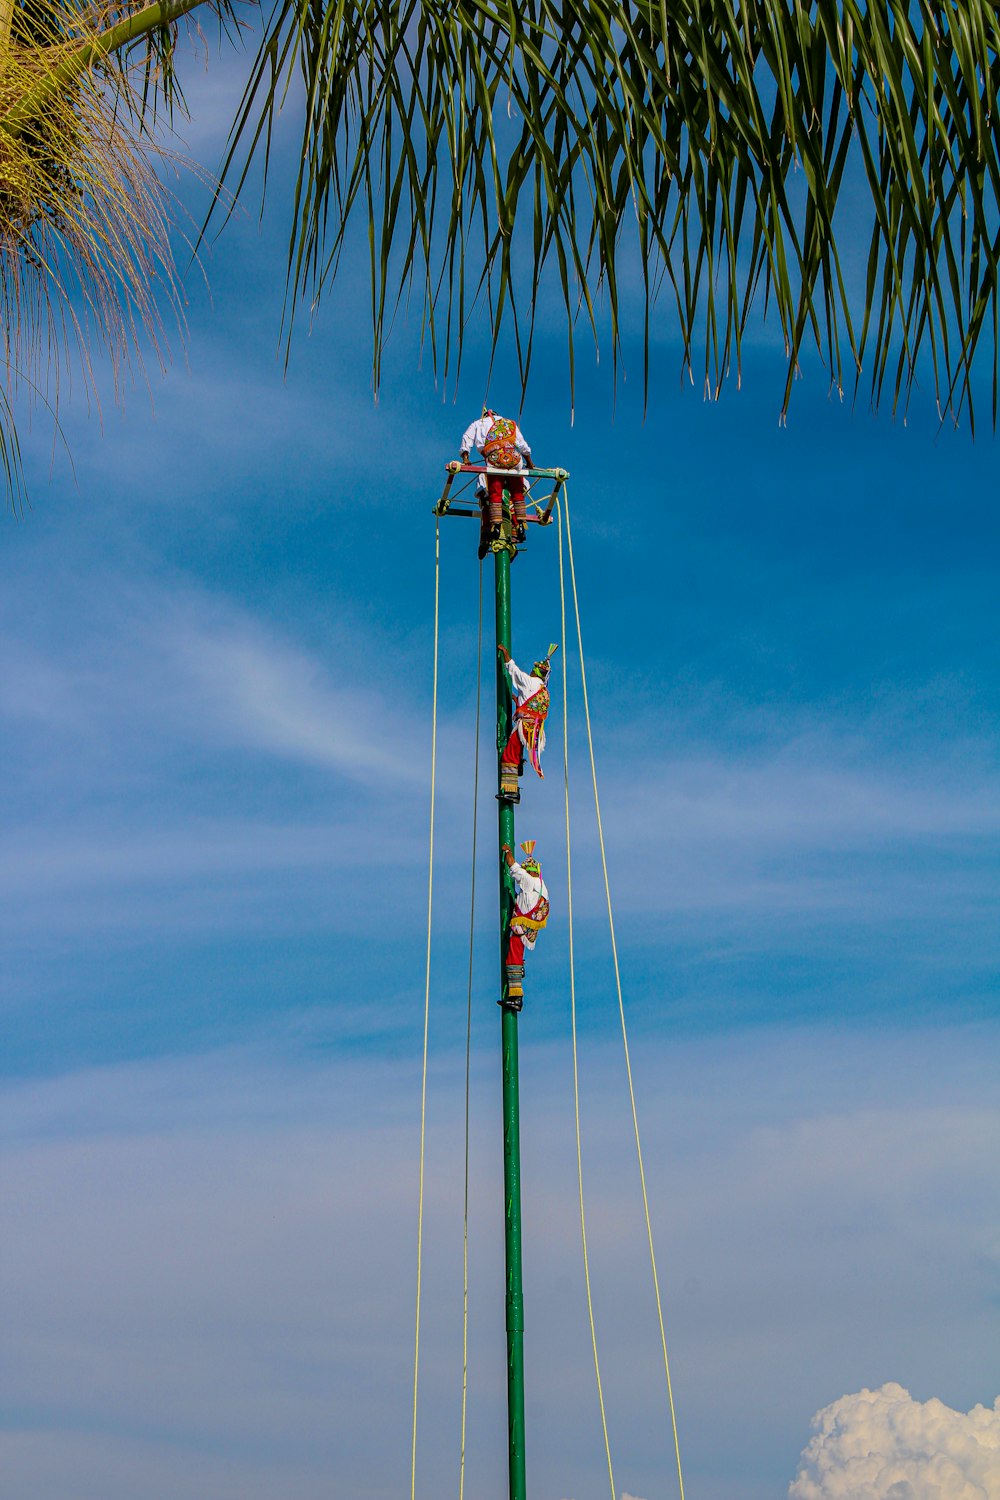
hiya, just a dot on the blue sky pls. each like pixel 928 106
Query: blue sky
pixel 215 705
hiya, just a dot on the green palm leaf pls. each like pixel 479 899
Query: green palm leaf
pixel 720 155
pixel 712 142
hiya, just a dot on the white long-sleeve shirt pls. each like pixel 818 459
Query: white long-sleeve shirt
pixel 476 434
pixel 530 890
pixel 524 684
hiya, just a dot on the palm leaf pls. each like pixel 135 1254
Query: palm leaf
pixel 85 223
pixel 495 153
pixel 710 141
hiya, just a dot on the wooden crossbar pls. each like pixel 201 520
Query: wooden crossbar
pixel 542 518
pixel 461 510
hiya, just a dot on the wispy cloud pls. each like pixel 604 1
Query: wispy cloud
pixel 264 693
pixel 831 826
pixel 151 664
pixel 173 747
pixel 197 850
pixel 212 723
pixel 796 796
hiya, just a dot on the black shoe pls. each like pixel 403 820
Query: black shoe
pixel 495 529
pixel 484 549
pixel 520 532
pixel 512 797
pixel 515 1002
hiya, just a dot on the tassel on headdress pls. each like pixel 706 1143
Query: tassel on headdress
pixel 543 667
pixel 529 862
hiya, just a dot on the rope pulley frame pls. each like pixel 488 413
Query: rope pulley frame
pixel 543 507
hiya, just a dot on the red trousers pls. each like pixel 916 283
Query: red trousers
pixel 495 485
pixel 513 752
pixel 515 949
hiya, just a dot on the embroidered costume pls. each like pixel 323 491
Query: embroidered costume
pixel 531 912
pixel 528 734
pixel 502 445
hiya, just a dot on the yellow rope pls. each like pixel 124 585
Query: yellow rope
pixel 572 1004
pixel 621 1006
pixel 468 1050
pixel 427 1012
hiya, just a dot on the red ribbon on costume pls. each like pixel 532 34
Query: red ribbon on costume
pixel 533 719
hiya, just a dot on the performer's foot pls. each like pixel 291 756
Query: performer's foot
pixel 495 529
pixel 520 532
pixel 512 1002
pixel 484 548
pixel 511 797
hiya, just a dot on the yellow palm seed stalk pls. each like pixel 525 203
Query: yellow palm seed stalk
pixel 85 250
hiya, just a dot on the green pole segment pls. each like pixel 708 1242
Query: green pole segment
pixel 511 1113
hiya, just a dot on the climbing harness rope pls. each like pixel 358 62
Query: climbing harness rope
pixel 572 1009
pixel 468 1046
pixel 618 986
pixel 427 1011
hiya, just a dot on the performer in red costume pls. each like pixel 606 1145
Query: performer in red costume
pixel 531 912
pixel 532 694
pixel 502 444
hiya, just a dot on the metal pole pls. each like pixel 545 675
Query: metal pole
pixel 511 1113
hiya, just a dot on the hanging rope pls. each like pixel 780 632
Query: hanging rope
pixel 468 1048
pixel 427 1010
pixel 572 1009
pixel 618 986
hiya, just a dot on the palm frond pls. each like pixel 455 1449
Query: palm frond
pixel 702 147
pixel 85 233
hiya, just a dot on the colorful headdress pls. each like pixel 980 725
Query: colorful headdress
pixel 529 862
pixel 543 667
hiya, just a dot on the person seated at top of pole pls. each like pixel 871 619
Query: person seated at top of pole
pixel 532 693
pixel 531 912
pixel 502 445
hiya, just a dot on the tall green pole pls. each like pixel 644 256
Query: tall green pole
pixel 511 1112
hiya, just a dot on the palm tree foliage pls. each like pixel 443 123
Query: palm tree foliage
pixel 709 143
pixel 834 162
pixel 85 228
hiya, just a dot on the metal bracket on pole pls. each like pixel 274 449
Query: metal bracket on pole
pixel 441 509
pixel 560 476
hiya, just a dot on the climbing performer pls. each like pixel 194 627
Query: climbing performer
pixel 531 912
pixel 502 445
pixel 532 693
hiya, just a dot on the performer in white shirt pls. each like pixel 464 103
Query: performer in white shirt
pixel 502 445
pixel 531 912
pixel 532 694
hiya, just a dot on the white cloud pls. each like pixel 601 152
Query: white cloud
pixel 884 1445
